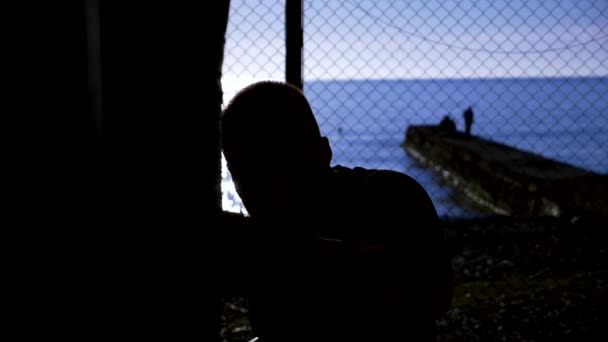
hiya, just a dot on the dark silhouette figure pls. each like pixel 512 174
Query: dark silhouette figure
pixel 468 120
pixel 447 124
pixel 341 254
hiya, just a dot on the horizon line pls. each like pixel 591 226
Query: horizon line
pixel 452 78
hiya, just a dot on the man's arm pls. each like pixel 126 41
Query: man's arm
pixel 409 275
pixel 244 257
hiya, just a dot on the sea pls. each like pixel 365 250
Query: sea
pixel 565 119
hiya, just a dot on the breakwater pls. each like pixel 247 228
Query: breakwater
pixel 507 180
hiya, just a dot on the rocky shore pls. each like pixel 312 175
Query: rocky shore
pixel 535 279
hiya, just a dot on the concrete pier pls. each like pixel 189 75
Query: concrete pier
pixel 507 180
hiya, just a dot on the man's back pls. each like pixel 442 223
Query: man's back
pixel 377 268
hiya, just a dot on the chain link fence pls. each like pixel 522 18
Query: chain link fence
pixel 534 74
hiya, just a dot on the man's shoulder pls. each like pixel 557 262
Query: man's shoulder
pixel 386 195
pixel 392 183
pixel 362 172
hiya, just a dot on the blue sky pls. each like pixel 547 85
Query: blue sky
pixel 350 39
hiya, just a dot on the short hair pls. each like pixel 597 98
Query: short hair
pixel 268 111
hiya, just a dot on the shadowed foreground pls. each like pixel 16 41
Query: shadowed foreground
pixel 516 280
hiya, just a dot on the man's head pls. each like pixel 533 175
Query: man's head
pixel 273 146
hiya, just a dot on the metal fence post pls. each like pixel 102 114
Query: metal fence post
pixel 293 42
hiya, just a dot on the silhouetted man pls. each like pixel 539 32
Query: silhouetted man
pixel 344 254
pixel 468 120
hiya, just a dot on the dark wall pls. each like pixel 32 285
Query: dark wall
pixel 47 201
pixel 110 169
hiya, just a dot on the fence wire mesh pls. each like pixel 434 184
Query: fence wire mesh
pixel 534 74
pixel 531 71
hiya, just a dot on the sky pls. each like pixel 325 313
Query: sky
pixel 372 39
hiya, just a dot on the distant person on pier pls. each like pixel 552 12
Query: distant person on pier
pixel 342 254
pixel 447 124
pixel 468 120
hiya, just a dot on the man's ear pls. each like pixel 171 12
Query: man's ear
pixel 325 151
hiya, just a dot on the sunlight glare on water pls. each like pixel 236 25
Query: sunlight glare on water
pixel 230 198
